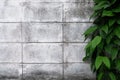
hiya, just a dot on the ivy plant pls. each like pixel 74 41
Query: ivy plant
pixel 103 49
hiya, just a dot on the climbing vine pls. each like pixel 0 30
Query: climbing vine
pixel 103 49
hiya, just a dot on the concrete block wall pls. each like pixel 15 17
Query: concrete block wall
pixel 42 39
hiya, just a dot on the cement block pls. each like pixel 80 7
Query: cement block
pixel 74 52
pixel 11 11
pixel 73 32
pixel 78 12
pixel 45 1
pixel 34 10
pixel 10 32
pixel 82 1
pixel 10 52
pixel 61 0
pixel 78 71
pixel 42 32
pixel 10 72
pixel 42 12
pixel 42 53
pixel 42 72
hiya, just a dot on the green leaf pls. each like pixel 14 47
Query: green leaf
pixel 107 13
pixel 98 62
pixel 105 28
pixel 88 45
pixel 117 9
pixel 94 15
pixel 85 58
pixel 96 41
pixel 117 31
pixel 90 30
pixel 112 76
pixel 100 75
pixel 108 49
pixel 102 33
pixel 113 1
pixel 89 49
pixel 111 22
pixel 114 53
pixel 106 61
pixel 100 47
pixel 100 59
pixel 98 1
pixel 109 38
pixel 118 21
pixel 117 42
pixel 118 65
pixel 100 5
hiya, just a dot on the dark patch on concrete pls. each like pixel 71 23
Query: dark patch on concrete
pixel 41 75
pixel 9 77
pixel 78 78
pixel 6 77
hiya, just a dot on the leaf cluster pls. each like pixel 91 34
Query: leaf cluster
pixel 103 49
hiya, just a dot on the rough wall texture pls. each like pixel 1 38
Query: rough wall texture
pixel 42 39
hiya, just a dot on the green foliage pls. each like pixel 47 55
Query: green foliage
pixel 112 76
pixel 102 60
pixel 103 49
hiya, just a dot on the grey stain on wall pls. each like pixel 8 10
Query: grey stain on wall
pixel 35 11
pixel 43 72
pixel 10 72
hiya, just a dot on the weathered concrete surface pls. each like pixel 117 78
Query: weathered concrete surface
pixel 78 71
pixel 74 52
pixel 10 32
pixel 77 12
pixel 42 72
pixel 73 32
pixel 29 10
pixel 42 32
pixel 42 39
pixel 10 52
pixel 61 0
pixel 11 11
pixel 82 1
pixel 43 12
pixel 42 53
pixel 21 10
pixel 10 72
